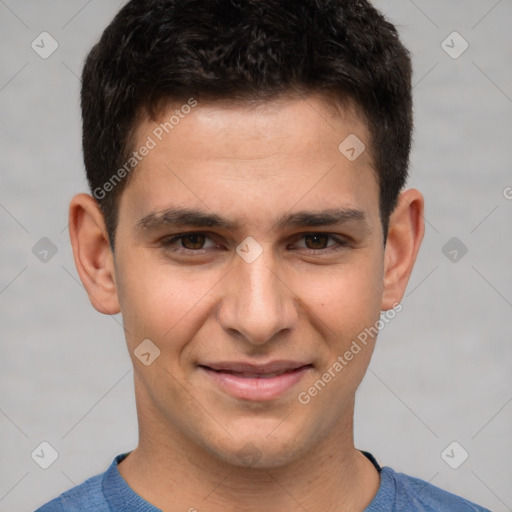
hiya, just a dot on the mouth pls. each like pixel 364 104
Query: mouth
pixel 256 382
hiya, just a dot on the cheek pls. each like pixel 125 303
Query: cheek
pixel 344 299
pixel 161 302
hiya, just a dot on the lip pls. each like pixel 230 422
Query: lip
pixel 248 381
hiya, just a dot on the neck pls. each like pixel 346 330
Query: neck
pixel 174 473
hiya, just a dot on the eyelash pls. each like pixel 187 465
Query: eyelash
pixel 168 244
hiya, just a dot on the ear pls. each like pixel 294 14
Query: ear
pixel 406 230
pixel 91 250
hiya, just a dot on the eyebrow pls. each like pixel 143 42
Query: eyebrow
pixel 187 217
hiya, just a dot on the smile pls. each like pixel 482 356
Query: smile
pixel 262 385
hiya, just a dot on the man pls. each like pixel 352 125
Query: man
pixel 247 160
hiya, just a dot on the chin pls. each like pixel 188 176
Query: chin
pixel 260 452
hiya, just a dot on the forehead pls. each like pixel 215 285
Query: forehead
pixel 280 121
pixel 273 153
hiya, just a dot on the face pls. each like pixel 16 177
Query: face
pixel 250 251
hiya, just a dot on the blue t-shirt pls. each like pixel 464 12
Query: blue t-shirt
pixel 397 493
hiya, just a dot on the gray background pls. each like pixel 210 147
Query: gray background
pixel 441 370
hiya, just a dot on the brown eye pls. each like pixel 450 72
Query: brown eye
pixel 189 244
pixel 317 241
pixel 193 242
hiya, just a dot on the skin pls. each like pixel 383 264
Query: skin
pixel 303 299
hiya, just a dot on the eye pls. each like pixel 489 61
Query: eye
pixel 320 242
pixel 189 242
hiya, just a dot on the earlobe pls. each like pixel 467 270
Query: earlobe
pixel 92 253
pixel 405 234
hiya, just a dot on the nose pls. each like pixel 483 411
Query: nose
pixel 258 303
